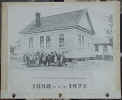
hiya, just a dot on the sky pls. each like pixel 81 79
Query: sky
pixel 20 16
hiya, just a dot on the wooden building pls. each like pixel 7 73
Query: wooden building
pixel 69 33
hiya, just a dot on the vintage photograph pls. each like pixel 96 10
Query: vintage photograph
pixel 60 50
pixel 63 39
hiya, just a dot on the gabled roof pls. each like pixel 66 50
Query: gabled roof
pixel 76 19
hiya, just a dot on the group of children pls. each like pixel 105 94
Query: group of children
pixel 46 59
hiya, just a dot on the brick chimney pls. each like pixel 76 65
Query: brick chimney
pixel 38 23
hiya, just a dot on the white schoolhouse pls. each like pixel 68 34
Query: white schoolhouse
pixel 69 33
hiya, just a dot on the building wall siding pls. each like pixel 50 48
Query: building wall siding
pixel 71 41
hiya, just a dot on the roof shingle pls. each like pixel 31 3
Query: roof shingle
pixel 60 21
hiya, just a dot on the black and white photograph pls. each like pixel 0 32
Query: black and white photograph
pixel 62 40
pixel 66 49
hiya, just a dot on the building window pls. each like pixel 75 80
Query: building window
pixel 48 40
pixel 41 41
pixel 12 49
pixel 81 40
pixel 61 40
pixel 96 48
pixel 31 42
pixel 105 49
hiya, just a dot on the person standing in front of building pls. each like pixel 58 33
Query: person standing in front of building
pixel 47 59
pixel 41 59
pixel 55 58
pixel 59 59
pixel 62 59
